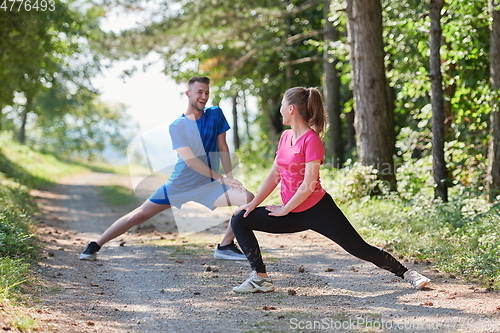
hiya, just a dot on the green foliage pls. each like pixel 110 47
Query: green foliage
pixel 15 238
pixel 355 181
pixel 30 168
pixel 13 272
pixel 48 63
pixel 85 129
pixel 25 323
pixel 257 153
pixel 117 195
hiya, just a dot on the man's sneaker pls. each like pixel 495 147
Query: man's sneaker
pixel 255 284
pixel 90 252
pixel 229 252
pixel 416 279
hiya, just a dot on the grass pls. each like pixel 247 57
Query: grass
pixel 25 323
pixel 32 169
pixel 192 245
pixel 13 273
pixel 117 195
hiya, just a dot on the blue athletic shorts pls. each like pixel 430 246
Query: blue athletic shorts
pixel 205 195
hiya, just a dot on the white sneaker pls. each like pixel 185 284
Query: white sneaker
pixel 416 279
pixel 255 284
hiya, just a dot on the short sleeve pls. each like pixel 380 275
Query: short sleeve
pixel 283 137
pixel 314 149
pixel 222 124
pixel 177 136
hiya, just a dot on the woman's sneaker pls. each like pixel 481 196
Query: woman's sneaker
pixel 255 284
pixel 90 252
pixel 416 279
pixel 229 252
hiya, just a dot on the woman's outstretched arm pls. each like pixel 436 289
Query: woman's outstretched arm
pixel 272 180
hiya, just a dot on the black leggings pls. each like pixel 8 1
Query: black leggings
pixel 325 218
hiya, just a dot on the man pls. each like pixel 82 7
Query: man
pixel 199 138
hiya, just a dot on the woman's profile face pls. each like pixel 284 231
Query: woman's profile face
pixel 285 111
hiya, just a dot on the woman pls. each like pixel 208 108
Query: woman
pixel 306 205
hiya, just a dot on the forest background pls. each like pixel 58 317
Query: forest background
pixel 411 89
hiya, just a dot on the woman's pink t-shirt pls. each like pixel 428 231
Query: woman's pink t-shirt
pixel 292 159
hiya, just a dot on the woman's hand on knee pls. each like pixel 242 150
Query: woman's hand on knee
pixel 277 210
pixel 248 208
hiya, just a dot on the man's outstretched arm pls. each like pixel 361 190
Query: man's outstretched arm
pixel 225 157
pixel 197 165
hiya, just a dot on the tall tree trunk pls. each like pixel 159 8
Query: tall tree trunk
pixel 438 133
pixel 373 121
pixel 236 137
pixel 276 119
pixel 246 119
pixel 350 133
pixel 331 93
pixel 391 99
pixel 449 91
pixel 24 118
pixel 494 144
pixel 273 124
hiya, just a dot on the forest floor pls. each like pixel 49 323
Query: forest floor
pixel 153 280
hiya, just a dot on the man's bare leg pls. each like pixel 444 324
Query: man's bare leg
pixel 232 198
pixel 139 215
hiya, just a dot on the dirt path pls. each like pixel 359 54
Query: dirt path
pixel 151 280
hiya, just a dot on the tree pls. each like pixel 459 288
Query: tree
pixel 82 127
pixel 438 132
pixel 332 92
pixel 236 137
pixel 39 47
pixel 494 144
pixel 261 47
pixel 373 121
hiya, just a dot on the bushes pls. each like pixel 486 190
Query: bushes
pixel 15 238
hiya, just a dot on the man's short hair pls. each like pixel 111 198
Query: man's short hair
pixel 201 79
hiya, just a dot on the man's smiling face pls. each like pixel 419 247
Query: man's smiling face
pixel 198 95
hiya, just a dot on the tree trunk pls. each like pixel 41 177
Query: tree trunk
pixel 391 100
pixel 494 144
pixel 246 118
pixel 438 133
pixel 24 118
pixel 373 121
pixel 273 112
pixel 1 116
pixel 331 93
pixel 351 132
pixel 449 91
pixel 236 138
